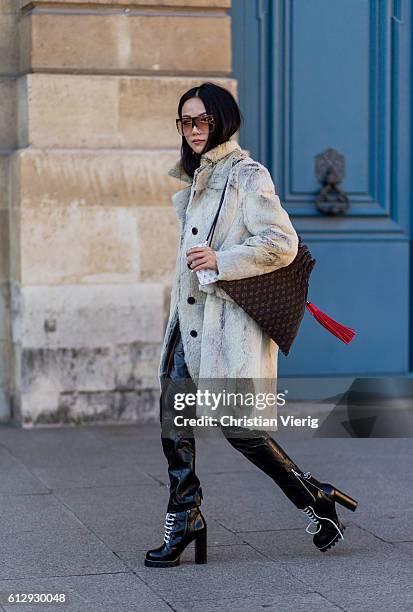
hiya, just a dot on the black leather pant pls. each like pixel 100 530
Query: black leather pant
pixel 178 445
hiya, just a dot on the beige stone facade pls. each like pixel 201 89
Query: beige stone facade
pixel 88 235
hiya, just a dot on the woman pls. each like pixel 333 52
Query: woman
pixel 210 337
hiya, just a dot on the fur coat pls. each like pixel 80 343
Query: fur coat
pixel 253 235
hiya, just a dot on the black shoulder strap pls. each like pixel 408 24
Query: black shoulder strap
pixel 212 228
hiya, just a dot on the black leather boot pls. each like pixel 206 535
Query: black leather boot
pixel 270 457
pixel 321 510
pixel 181 528
pixel 178 443
pixel 185 489
pixel 315 499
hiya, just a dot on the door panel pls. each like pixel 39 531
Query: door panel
pixel 329 73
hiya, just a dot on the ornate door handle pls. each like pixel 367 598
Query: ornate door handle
pixel 329 170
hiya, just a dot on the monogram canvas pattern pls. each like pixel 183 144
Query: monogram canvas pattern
pixel 276 300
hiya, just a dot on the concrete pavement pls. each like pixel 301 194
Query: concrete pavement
pixel 80 506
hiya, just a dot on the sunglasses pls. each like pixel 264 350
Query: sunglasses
pixel 202 122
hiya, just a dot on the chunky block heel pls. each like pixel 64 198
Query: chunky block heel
pixel 201 547
pixel 181 528
pixel 345 500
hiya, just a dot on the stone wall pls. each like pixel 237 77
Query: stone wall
pixel 87 108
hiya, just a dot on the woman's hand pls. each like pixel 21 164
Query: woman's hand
pixel 201 258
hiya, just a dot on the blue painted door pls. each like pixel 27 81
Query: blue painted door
pixel 314 74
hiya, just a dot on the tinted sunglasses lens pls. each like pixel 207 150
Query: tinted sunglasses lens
pixel 184 126
pixel 204 122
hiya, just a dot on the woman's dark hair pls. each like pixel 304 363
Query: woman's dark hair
pixel 222 104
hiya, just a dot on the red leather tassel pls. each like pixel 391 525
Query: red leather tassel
pixel 346 334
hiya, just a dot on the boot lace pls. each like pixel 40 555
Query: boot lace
pixel 300 477
pixel 169 526
pixel 309 512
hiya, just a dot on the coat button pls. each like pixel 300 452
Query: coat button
pixel 191 300
pixel 193 333
pixel 194 230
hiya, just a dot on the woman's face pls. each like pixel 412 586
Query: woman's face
pixel 195 136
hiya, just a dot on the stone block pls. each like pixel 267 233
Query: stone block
pixel 159 233
pixel 167 292
pixel 79 245
pixel 5 378
pixel 87 316
pixel 111 384
pixel 4 311
pixel 8 114
pixel 4 181
pixel 14 242
pixel 68 110
pixel 9 6
pixel 88 353
pixel 80 407
pixel 65 178
pixel 125 42
pixel 125 367
pixel 92 111
pixel 148 109
pixel 4 364
pixel 9 55
pixel 208 4
pixel 4 245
